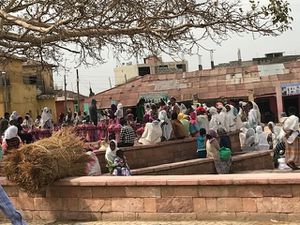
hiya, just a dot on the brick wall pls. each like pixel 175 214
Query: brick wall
pixel 238 197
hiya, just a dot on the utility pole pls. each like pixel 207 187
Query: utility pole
pixel 3 76
pixel 65 92
pixel 78 101
pixel 109 82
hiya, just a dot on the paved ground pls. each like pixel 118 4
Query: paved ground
pixel 272 222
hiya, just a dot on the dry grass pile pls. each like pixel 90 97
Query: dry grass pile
pixel 36 165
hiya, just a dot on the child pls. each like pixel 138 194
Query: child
pixel 194 126
pixel 201 150
pixel 121 167
pixel 224 138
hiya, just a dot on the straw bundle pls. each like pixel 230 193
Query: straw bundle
pixel 39 164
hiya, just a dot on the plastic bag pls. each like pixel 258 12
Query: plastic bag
pixel 225 153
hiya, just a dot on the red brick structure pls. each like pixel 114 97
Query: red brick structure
pixel 262 82
pixel 196 197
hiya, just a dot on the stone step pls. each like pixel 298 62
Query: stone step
pixel 258 160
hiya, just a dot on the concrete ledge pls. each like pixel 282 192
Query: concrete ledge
pixel 187 180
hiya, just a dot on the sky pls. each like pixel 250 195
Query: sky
pixel 251 46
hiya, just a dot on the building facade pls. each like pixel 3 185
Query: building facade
pixel 26 87
pixel 70 102
pixel 274 86
pixel 152 65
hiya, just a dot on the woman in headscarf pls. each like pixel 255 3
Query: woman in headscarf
pixel 292 141
pixel 254 117
pixel 166 125
pixel 185 122
pixel 11 139
pixel 110 154
pixel 13 118
pixel 222 117
pixel 119 113
pixel 183 108
pixel 194 126
pixel 212 148
pixel 213 123
pixel 242 134
pixel 179 131
pixel 27 122
pixel 261 139
pixel 242 111
pixel 231 118
pixel 152 133
pixel 273 137
pixel 111 150
pixel 46 119
pixel 249 144
pixel 202 118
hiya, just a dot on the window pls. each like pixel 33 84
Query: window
pixel 181 67
pixel 30 79
pixel 144 70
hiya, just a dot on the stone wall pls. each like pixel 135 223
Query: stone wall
pixel 142 156
pixel 257 160
pixel 243 196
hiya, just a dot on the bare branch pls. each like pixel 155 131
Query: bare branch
pixel 34 27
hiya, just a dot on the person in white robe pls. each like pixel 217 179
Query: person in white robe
pixel 119 113
pixel 110 153
pixel 202 118
pixel 166 124
pixel 249 144
pixel 242 111
pixel 274 135
pixel 261 139
pixel 254 116
pixel 152 133
pixel 242 134
pixel 223 118
pixel 213 123
pixel 231 118
pixel 46 119
pixel 292 142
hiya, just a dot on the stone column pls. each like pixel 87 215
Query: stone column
pixel 279 100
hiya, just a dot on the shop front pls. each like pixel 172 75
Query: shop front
pixel 290 97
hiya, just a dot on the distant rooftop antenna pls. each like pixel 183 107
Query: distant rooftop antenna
pixel 109 80
pixel 137 58
pixel 212 63
pixel 239 57
pixel 200 62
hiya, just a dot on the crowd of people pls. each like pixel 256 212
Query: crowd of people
pixel 14 129
pixel 210 126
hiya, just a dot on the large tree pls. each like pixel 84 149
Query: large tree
pixel 47 29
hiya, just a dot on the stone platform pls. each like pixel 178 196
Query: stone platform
pixel 263 196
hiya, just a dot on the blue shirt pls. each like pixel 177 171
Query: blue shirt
pixel 200 143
